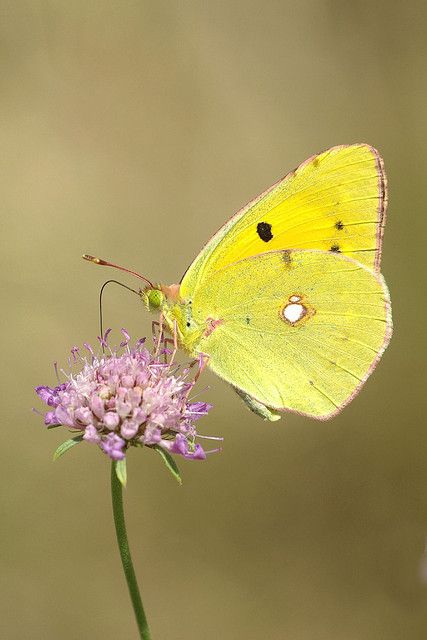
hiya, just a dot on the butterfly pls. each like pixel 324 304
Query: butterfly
pixel 286 301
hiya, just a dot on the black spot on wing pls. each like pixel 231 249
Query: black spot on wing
pixel 339 225
pixel 335 248
pixel 263 229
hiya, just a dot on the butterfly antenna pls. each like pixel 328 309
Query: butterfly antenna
pixel 104 263
pixel 101 291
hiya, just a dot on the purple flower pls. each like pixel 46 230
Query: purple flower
pixel 126 397
pixel 180 445
pixel 50 395
pixel 113 446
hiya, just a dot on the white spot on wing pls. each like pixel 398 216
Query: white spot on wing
pixel 293 312
pixel 294 299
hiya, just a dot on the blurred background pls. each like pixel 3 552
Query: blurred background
pixel 132 130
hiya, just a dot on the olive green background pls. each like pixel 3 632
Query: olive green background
pixel 132 130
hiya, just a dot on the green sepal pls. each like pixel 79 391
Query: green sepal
pixel 121 473
pixel 169 462
pixel 68 444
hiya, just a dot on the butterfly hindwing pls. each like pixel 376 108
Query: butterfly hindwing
pixel 302 333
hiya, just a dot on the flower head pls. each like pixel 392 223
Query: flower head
pixel 127 396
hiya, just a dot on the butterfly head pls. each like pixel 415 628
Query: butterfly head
pixel 160 297
pixel 153 299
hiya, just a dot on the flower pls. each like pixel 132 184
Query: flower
pixel 127 396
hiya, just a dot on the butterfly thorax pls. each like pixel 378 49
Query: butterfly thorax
pixel 176 313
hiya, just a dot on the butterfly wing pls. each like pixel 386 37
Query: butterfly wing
pixel 334 201
pixel 299 329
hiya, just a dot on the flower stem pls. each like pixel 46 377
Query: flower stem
pixel 122 540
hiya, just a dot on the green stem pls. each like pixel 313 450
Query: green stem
pixel 122 540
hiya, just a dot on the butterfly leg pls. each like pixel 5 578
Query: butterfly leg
pixel 155 324
pixel 172 341
pixel 158 325
pixel 203 361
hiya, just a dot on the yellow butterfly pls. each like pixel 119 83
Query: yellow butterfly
pixel 286 299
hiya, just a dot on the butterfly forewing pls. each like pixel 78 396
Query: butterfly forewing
pixel 334 201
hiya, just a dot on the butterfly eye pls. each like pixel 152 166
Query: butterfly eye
pixel 155 299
